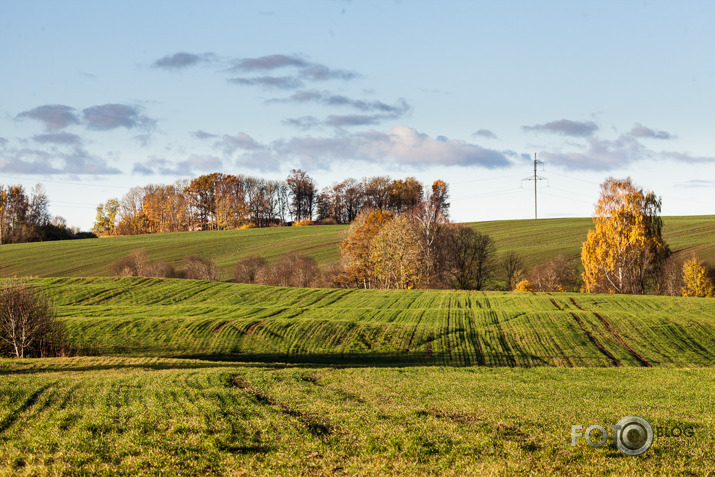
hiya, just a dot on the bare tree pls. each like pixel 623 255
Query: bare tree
pixel 470 254
pixel 28 323
pixel 512 267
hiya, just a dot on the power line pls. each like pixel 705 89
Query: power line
pixel 535 179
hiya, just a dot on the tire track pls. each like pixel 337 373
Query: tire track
pixel 595 341
pixel 617 336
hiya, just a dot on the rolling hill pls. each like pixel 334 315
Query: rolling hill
pixel 187 318
pixel 537 241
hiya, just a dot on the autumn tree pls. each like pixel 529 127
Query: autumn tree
pixel 512 268
pixel 626 245
pixel 355 250
pixel 696 279
pixel 398 254
pixel 106 217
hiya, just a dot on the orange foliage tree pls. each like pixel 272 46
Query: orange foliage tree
pixel 696 279
pixel 627 243
pixel 355 250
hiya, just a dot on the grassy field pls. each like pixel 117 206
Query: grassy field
pixel 158 317
pixel 536 240
pixel 148 416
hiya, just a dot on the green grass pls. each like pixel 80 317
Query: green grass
pixel 537 241
pixel 158 317
pixel 148 416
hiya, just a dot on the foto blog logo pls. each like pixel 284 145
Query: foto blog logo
pixel 632 435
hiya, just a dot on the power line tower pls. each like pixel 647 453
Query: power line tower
pixel 536 179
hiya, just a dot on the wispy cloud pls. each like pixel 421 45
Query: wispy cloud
pixel 401 146
pixel 485 133
pixel 195 163
pixel 565 127
pixel 76 160
pixel 53 116
pixel 687 158
pixel 112 116
pixel 61 138
pixel 697 183
pixel 182 60
pixel 644 132
pixel 203 135
pixel 303 70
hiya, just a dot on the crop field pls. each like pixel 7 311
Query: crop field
pixel 536 241
pixel 160 317
pixel 149 416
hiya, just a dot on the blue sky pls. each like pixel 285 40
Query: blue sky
pixel 101 96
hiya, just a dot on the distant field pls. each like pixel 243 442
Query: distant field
pixel 186 318
pixel 148 416
pixel 536 240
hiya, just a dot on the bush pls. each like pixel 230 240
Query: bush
pixel 302 223
pixel 247 269
pixel 556 275
pixel 199 268
pixel 523 286
pixel 290 271
pixel 328 221
pixel 137 264
pixel 28 324
pixel 696 279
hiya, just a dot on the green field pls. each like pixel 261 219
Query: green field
pixel 158 317
pixel 537 241
pixel 148 416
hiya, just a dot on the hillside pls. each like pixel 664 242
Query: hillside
pixel 536 240
pixel 184 318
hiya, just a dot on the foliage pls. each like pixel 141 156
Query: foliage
pixel 556 275
pixel 627 242
pixel 523 286
pixel 28 322
pixel 302 223
pixel 696 279
pixel 399 254
pixel 355 250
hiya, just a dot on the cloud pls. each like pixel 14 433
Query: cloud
pixel 566 127
pixel 75 161
pixel 485 133
pixel 323 97
pixel 277 82
pixel 181 60
pixel 61 138
pixel 304 70
pixel 303 122
pixel 3 141
pixel 230 144
pixel 687 158
pixel 195 163
pixel 696 183
pixel 203 135
pixel 54 116
pixel 401 146
pixel 641 131
pixel 353 120
pixel 112 116
pixel 600 154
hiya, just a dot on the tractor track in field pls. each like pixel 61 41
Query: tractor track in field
pixel 639 357
pixel 595 341
pixel 414 332
pixel 251 329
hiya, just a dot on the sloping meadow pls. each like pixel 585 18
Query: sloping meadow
pixel 185 318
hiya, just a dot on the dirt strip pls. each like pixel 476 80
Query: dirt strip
pixel 596 343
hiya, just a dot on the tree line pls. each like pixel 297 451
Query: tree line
pixel 26 218
pixel 219 201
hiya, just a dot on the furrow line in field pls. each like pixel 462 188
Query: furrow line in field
pixel 595 341
pixel 623 342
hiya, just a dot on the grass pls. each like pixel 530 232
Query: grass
pixel 158 317
pixel 148 416
pixel 537 241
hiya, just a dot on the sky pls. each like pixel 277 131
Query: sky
pixel 100 96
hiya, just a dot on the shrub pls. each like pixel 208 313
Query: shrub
pixel 199 268
pixel 247 269
pixel 290 271
pixel 523 286
pixel 556 275
pixel 137 264
pixel 302 223
pixel 28 324
pixel 696 279
pixel 328 221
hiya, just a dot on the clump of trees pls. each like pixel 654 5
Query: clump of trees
pixel 28 323
pixel 224 201
pixel 26 218
pixel 289 271
pixel 626 250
